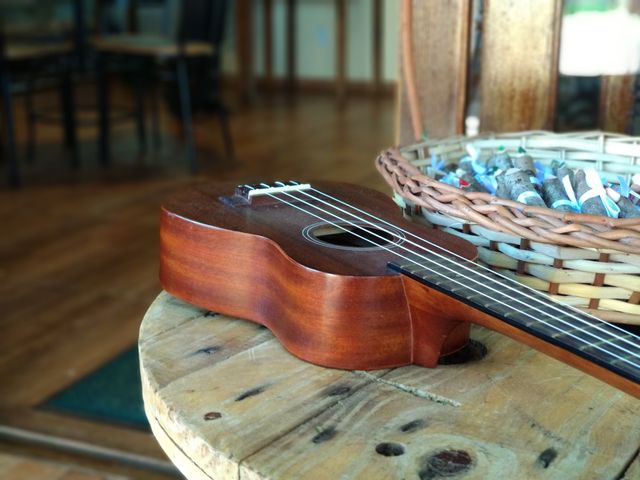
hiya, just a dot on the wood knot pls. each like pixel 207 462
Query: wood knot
pixel 324 434
pixel 338 390
pixel 209 350
pixel 546 457
pixel 212 416
pixel 413 426
pixel 389 449
pixel 445 463
pixel 250 393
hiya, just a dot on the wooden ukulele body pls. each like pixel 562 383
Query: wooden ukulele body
pixel 332 305
pixel 286 263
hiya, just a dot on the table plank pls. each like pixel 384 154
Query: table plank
pixel 231 400
pixel 196 345
pixel 257 412
pixel 521 415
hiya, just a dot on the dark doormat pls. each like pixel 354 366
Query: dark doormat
pixel 112 393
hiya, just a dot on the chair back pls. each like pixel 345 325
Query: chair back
pixel 202 20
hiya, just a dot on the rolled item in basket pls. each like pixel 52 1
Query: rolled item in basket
pixel 466 164
pixel 521 189
pixel 525 162
pixel 501 161
pixel 635 183
pixel 469 183
pixel 502 190
pixel 555 195
pixel 560 170
pixel 627 208
pixel 588 204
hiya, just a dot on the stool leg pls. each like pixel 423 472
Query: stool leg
pixel 31 119
pixel 155 114
pixel 13 172
pixel 103 109
pixel 69 116
pixel 140 113
pixel 185 111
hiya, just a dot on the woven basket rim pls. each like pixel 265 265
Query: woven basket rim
pixel 533 223
pixel 594 141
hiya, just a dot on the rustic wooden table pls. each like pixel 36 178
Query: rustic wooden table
pixel 225 400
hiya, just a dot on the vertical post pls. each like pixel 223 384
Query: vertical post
pixel 132 16
pixel 377 45
pixel 439 49
pixel 341 55
pixel 103 108
pixel 616 103
pixel 31 115
pixel 518 84
pixel 268 44
pixel 67 101
pixel 185 111
pixel 141 126
pixel 80 33
pixel 13 173
pixel 291 45
pixel 244 46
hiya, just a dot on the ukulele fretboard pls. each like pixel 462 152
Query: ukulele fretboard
pixel 595 340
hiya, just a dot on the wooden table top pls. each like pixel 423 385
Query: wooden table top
pixel 225 400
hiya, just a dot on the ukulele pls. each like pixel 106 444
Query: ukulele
pixel 343 281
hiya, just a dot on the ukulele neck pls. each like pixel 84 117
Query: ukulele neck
pixel 599 343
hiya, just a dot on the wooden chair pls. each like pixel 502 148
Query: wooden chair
pixel 518 78
pixel 9 141
pixel 23 50
pixel 199 35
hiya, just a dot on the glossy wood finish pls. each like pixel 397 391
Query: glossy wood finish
pixel 441 303
pixel 330 306
pixel 333 307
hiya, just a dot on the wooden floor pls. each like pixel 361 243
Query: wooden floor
pixel 78 254
pixel 20 467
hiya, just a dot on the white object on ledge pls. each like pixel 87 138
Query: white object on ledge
pixel 600 43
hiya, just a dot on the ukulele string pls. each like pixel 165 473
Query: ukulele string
pixel 567 333
pixel 538 300
pixel 508 281
pixel 477 282
pixel 536 320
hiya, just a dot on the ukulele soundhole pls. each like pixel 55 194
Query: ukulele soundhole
pixel 353 236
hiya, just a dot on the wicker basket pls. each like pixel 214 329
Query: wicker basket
pixel 591 262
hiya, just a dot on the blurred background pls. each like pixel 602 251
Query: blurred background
pixel 110 105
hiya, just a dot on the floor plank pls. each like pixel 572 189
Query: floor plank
pixel 13 467
pixel 78 260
